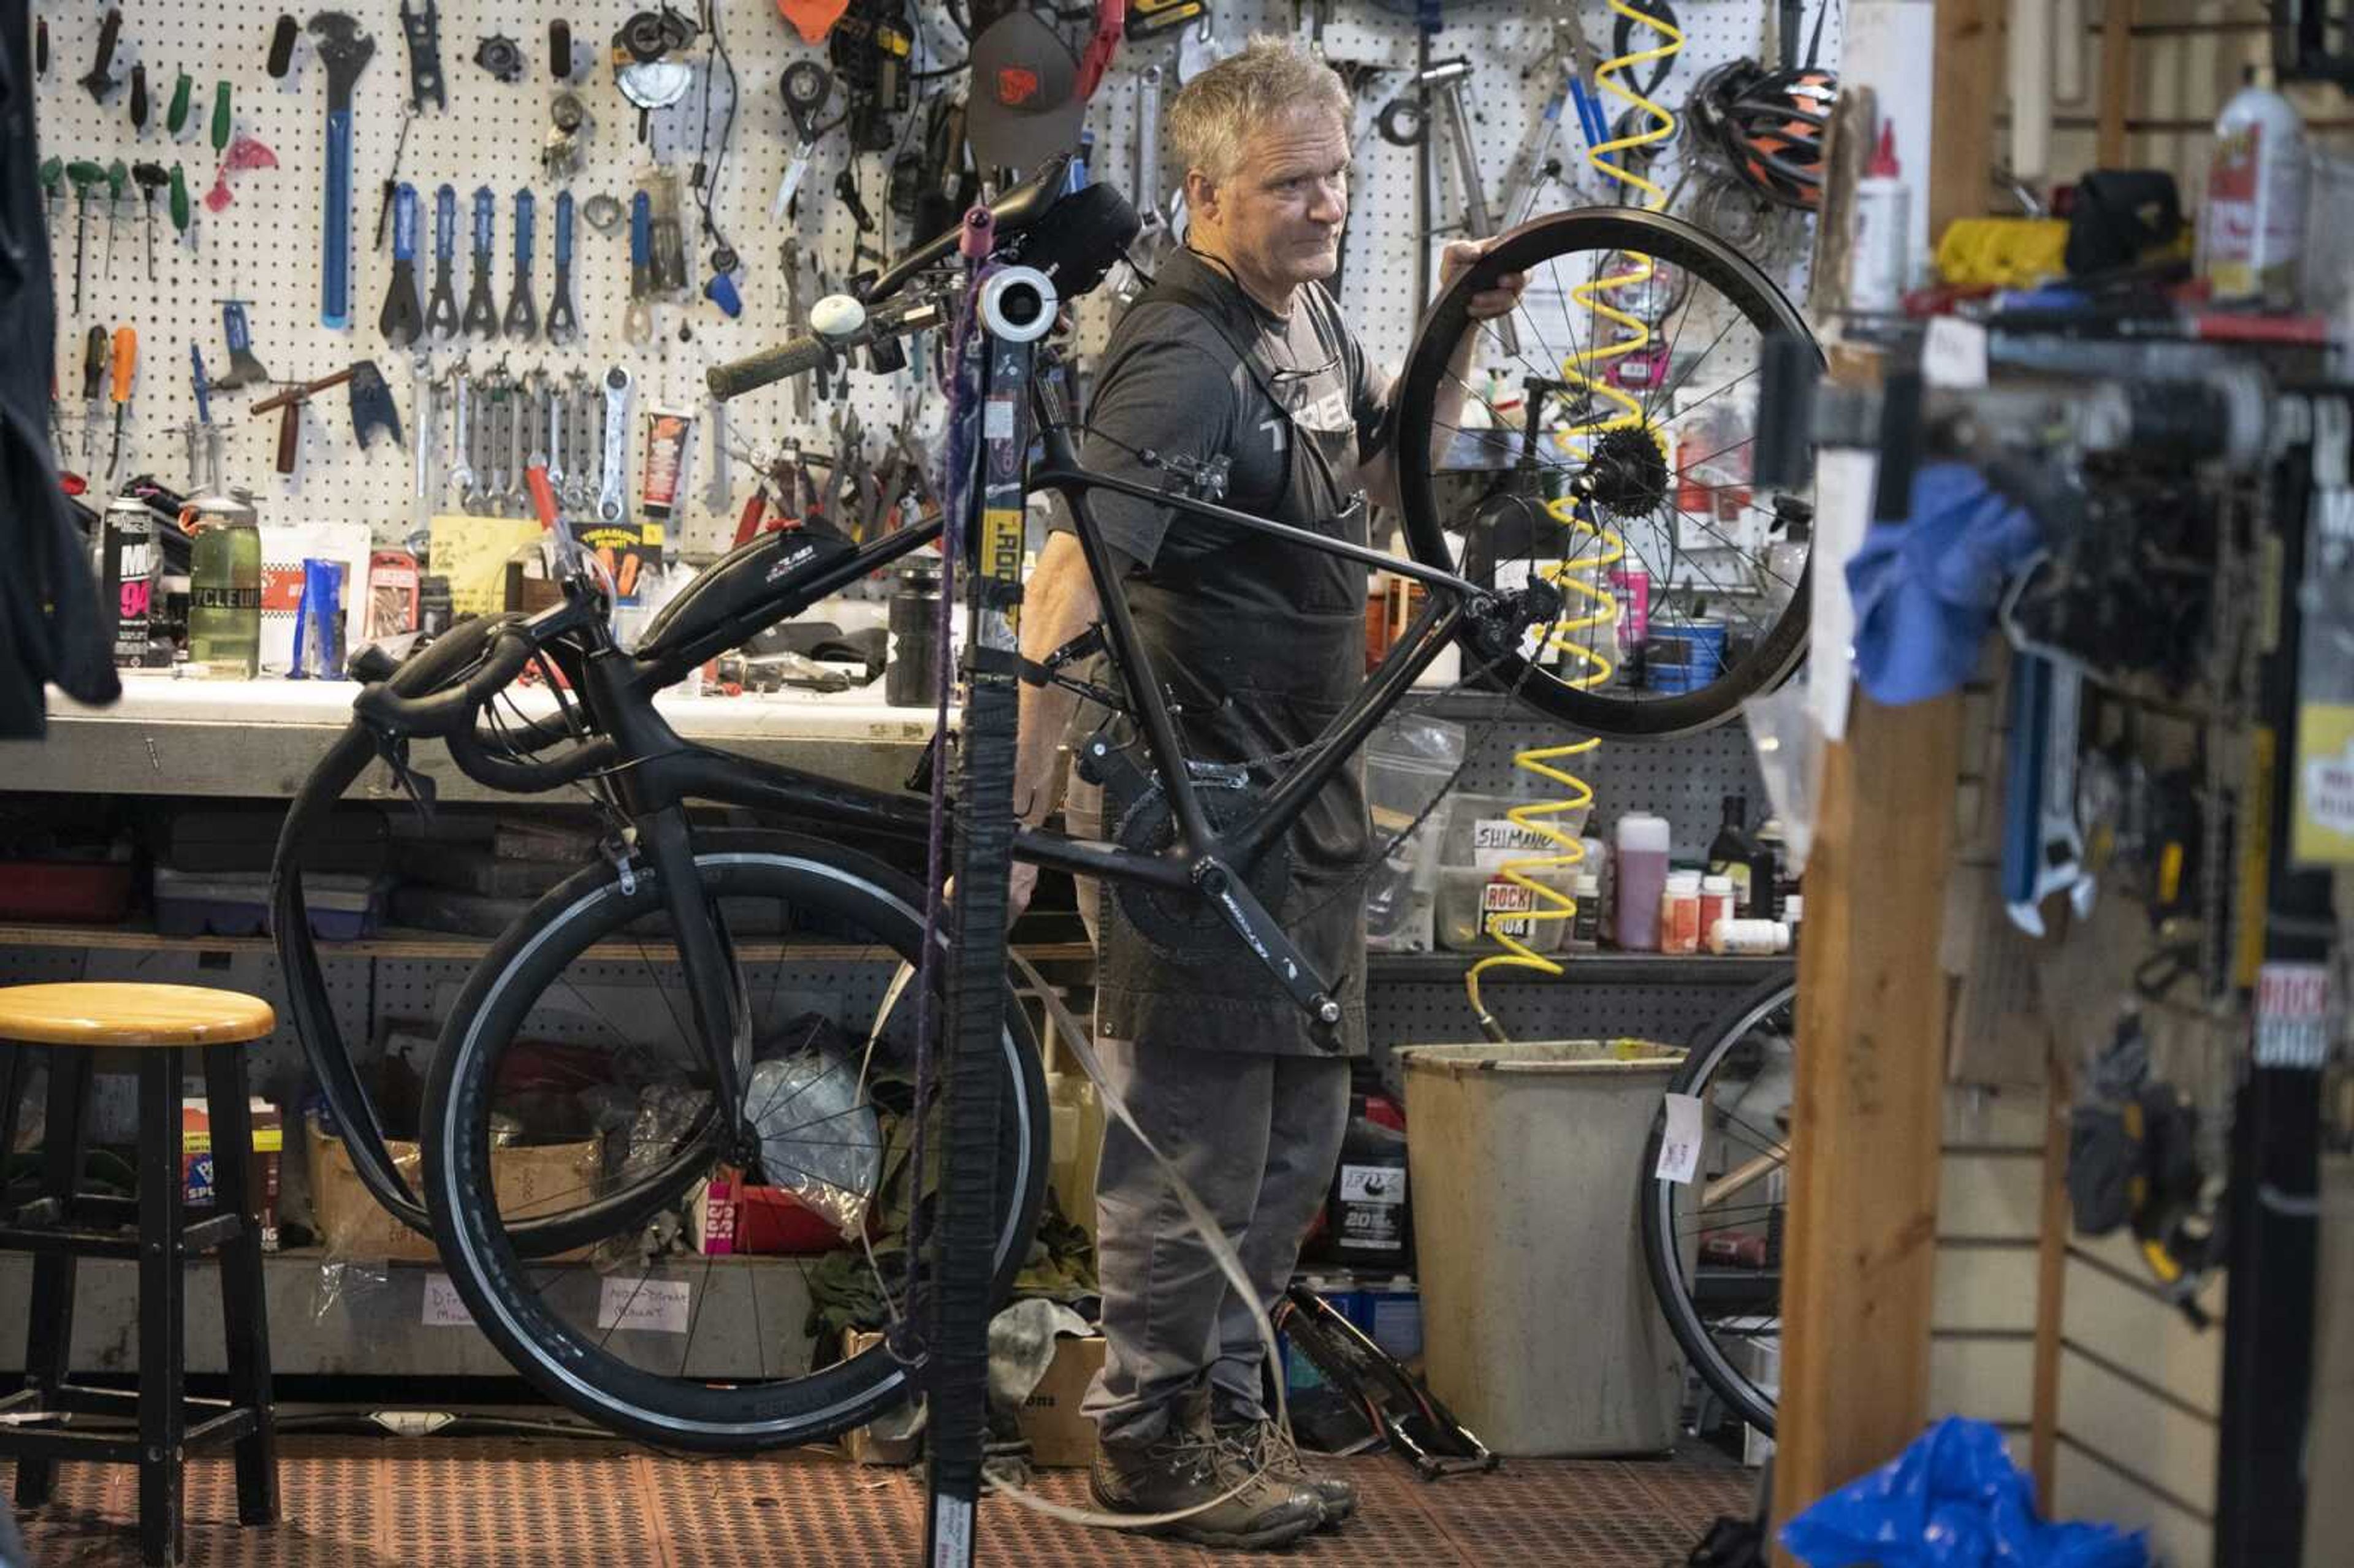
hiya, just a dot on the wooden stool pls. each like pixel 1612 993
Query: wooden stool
pixel 63 1226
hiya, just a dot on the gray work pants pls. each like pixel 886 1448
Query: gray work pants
pixel 1257 1138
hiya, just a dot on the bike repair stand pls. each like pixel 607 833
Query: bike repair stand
pixel 1015 307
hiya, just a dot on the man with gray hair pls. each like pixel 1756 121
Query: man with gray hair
pixel 1237 353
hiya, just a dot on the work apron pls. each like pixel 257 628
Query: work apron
pixel 1251 688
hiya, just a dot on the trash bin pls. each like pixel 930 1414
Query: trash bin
pixel 1539 1326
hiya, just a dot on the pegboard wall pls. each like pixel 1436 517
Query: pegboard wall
pixel 265 246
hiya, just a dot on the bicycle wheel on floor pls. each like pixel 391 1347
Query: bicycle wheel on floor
pixel 1713 1245
pixel 574 1034
pixel 1613 418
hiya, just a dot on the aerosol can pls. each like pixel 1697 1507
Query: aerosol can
pixel 2252 244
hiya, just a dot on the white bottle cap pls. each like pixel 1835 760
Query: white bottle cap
pixel 1684 882
pixel 1717 885
pixel 1640 830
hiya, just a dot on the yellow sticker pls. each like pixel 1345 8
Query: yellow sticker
pixel 2322 832
pixel 1001 542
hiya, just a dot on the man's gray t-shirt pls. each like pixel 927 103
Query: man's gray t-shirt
pixel 1260 640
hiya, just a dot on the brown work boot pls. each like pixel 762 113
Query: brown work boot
pixel 1263 1446
pixel 1186 1468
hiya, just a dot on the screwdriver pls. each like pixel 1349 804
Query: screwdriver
pixel 85 174
pixel 126 368
pixel 221 116
pixel 118 177
pixel 53 188
pixel 180 208
pixel 94 389
pixel 151 178
pixel 175 119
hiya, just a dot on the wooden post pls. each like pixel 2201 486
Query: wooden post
pixel 2117 80
pixel 1861 1262
pixel 1860 1266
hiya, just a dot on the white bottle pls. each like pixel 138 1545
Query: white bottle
pixel 2252 245
pixel 1881 264
pixel 1751 938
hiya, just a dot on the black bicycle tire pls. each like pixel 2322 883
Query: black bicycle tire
pixel 1775 656
pixel 485 1268
pixel 1659 1251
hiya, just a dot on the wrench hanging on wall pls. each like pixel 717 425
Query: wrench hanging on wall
pixel 344 51
pixel 1401 125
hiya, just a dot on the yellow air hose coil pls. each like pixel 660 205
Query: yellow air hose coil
pixel 1581 575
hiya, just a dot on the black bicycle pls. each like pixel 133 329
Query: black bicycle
pixel 709 1002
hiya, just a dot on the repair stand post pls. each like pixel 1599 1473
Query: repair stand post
pixel 974 1071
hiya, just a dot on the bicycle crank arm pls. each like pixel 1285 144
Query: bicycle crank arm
pixel 1231 896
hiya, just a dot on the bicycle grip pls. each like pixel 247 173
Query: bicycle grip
pixel 797 356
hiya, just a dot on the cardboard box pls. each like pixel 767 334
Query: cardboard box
pixel 196 1160
pixel 527 1179
pixel 1060 1437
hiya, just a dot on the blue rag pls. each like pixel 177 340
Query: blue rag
pixel 1925 590
pixel 1952 1500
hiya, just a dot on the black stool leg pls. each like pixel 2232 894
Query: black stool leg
pixel 162 1383
pixel 13 1060
pixel 48 1335
pixel 237 1184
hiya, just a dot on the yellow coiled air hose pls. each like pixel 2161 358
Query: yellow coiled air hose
pixel 1581 574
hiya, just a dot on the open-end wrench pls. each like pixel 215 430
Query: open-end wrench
pixel 563 323
pixel 522 316
pixel 461 451
pixel 582 419
pixel 441 311
pixel 2042 846
pixel 552 419
pixel 807 87
pixel 429 443
pixel 716 491
pixel 481 308
pixel 637 321
pixel 498 441
pixel 522 422
pixel 344 51
pixel 609 503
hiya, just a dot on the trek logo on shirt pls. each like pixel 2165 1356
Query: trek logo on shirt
pixel 1326 413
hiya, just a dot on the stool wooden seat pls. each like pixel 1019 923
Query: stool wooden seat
pixel 63 1224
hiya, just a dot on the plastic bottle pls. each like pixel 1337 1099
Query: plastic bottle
pixel 1749 938
pixel 1879 265
pixel 1717 903
pixel 224 600
pixel 2252 232
pixel 1586 926
pixel 1794 909
pixel 1643 874
pixel 1765 901
pixel 1729 854
pixel 1680 913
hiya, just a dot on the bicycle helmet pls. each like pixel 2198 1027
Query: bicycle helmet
pixel 1771 124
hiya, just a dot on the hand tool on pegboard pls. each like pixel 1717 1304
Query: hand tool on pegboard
pixel 183 210
pixel 345 50
pixel 175 117
pixel 612 504
pixel 391 179
pixel 125 372
pixel 53 193
pixel 522 316
pixel 807 87
pixel 420 29
pixel 281 48
pixel 152 179
pixel 93 396
pixel 442 310
pixel 563 321
pixel 401 321
pixel 100 79
pixel 86 176
pixel 372 409
pixel 1401 124
pixel 139 103
pixel 117 180
pixel 244 368
pixel 481 305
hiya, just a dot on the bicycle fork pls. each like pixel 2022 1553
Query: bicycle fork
pixel 720 1009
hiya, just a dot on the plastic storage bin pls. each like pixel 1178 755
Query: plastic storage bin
pixel 1467 897
pixel 1478 833
pixel 342 907
pixel 1538 1323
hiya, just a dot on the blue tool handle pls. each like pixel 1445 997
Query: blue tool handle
pixel 202 383
pixel 485 215
pixel 2030 711
pixel 564 228
pixel 404 222
pixel 721 291
pixel 445 223
pixel 235 328
pixel 527 209
pixel 335 303
pixel 642 230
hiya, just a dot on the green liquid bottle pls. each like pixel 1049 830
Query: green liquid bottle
pixel 224 600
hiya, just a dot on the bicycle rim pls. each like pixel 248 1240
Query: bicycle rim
pixel 575 1032
pixel 1639 344
pixel 1713 1247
